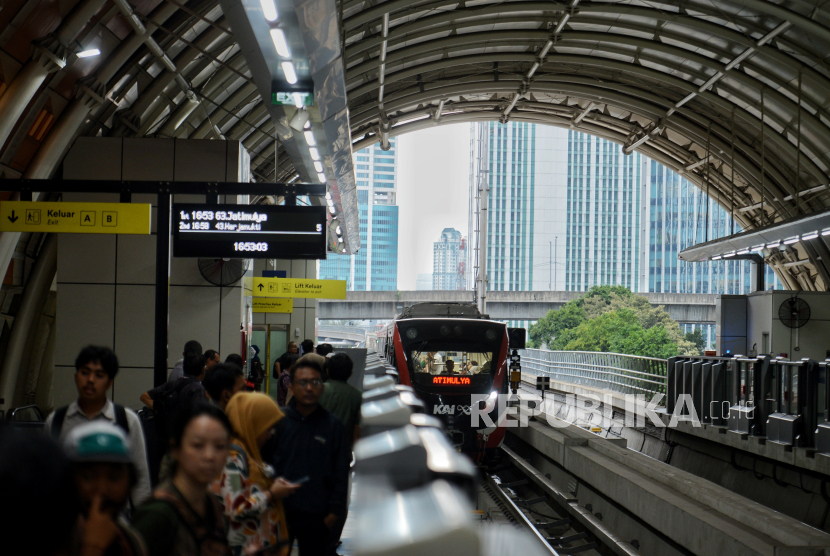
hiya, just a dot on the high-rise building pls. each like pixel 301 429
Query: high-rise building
pixel 568 211
pixel 449 257
pixel 375 266
pixel 423 282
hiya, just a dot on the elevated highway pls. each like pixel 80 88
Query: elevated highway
pixel 503 305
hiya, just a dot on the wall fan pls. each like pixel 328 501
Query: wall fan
pixel 794 313
pixel 223 272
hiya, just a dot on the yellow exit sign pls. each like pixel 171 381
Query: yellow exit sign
pixel 75 218
pixel 275 305
pixel 299 287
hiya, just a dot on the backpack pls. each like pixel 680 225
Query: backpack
pixel 166 409
pixel 120 419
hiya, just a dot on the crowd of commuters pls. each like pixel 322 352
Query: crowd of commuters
pixel 237 472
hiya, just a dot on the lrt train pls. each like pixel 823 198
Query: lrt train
pixel 453 356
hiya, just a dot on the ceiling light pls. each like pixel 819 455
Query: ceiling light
pixel 791 240
pixel 332 211
pixel 288 70
pixel 315 154
pixel 716 258
pixel 318 166
pixel 813 235
pixel 826 232
pixel 329 202
pixel 308 124
pixel 344 250
pixel 732 254
pixel 758 248
pixel 269 10
pixel 309 138
pixel 298 100
pixel 337 231
pixel 773 245
pixel 328 193
pixel 340 240
pixel 279 43
pixel 322 177
pixel 88 53
pixel 743 252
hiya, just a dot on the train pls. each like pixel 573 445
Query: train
pixel 448 353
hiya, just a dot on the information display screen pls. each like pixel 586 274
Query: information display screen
pixel 249 231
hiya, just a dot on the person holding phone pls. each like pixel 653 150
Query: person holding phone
pixel 249 493
pixel 311 442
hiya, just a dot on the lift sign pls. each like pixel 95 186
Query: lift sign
pixel 249 231
pixel 452 380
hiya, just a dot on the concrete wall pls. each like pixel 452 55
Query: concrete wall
pixel 813 339
pixel 106 283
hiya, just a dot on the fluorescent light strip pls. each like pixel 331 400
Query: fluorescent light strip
pixel 288 70
pixel 309 138
pixel 88 53
pixel 743 252
pixel 716 258
pixel 269 10
pixel 826 232
pixel 813 235
pixel 318 166
pixel 732 254
pixel 790 241
pixel 773 245
pixel 315 154
pixel 279 43
pixel 322 177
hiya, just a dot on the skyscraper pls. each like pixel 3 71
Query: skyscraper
pixel 448 260
pixel 568 211
pixel 375 267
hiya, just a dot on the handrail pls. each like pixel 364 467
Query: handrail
pixel 627 374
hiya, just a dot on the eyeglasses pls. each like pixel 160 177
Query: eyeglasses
pixel 316 383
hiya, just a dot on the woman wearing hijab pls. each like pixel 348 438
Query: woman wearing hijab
pixel 249 494
pixel 257 373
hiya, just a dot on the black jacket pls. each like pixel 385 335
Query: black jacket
pixel 312 446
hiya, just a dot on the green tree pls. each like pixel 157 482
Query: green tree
pixel 612 319
pixel 696 338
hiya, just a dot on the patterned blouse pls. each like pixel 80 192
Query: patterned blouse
pixel 255 522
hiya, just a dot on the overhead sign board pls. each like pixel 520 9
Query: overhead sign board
pixel 299 287
pixel 249 231
pixel 75 218
pixel 274 305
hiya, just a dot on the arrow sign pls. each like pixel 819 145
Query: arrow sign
pixel 260 287
pixel 13 218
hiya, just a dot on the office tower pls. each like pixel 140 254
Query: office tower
pixel 375 266
pixel 449 255
pixel 423 282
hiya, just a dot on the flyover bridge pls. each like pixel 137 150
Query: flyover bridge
pixel 503 305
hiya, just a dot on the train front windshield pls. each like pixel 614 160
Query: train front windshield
pixel 443 365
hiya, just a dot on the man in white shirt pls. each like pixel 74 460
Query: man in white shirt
pixel 95 370
pixel 434 363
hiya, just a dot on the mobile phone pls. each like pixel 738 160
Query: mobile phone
pixel 301 481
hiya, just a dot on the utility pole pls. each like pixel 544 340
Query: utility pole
pixel 483 191
pixel 550 265
pixel 555 241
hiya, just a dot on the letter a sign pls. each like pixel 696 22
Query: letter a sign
pixel 75 218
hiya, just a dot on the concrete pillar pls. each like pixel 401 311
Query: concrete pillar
pixel 302 322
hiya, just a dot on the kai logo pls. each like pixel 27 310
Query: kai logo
pixel 442 409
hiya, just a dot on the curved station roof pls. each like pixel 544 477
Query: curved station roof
pixel 731 94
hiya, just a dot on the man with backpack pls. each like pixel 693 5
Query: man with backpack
pixel 95 370
pixel 169 399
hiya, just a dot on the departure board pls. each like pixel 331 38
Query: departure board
pixel 249 231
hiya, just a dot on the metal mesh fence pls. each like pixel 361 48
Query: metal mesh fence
pixel 627 374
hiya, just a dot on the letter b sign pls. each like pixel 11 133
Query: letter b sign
pixel 110 218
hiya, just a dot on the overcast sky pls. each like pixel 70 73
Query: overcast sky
pixel 433 185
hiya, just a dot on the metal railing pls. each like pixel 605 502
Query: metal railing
pixel 627 374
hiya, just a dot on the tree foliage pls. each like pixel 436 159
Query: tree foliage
pixel 613 319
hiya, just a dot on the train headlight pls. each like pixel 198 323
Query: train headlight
pixel 458 331
pixel 490 334
pixel 445 330
pixel 487 405
pixel 411 333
